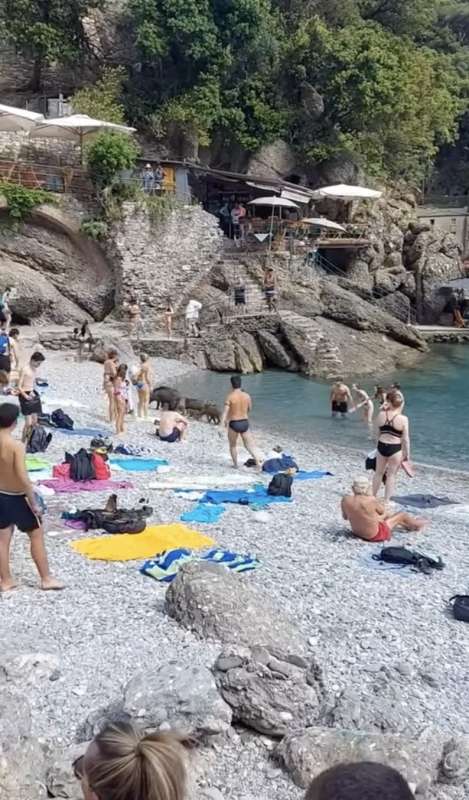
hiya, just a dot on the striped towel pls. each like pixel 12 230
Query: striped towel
pixel 164 568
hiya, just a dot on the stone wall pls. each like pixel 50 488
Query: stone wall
pixel 164 258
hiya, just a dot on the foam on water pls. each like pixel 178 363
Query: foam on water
pixel 437 395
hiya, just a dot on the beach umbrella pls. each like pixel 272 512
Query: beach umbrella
pixel 274 202
pixel 342 191
pixel 76 127
pixel 18 119
pixel 323 222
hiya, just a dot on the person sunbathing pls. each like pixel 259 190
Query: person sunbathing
pixel 368 518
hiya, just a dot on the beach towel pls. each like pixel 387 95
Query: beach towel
pixel 36 464
pixel 315 474
pixel 40 475
pixel 204 482
pixel 132 450
pixel 423 500
pixel 66 487
pixel 258 497
pixel 138 464
pixel 165 567
pixel 203 513
pixel 75 524
pixel 129 547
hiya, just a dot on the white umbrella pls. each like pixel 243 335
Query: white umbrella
pixel 344 192
pixel 18 119
pixel 322 222
pixel 275 202
pixel 76 127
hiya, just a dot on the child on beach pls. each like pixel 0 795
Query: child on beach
pixel 18 505
pixel 110 371
pixel 30 402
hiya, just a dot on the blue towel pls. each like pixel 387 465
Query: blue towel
pixel 258 497
pixel 310 476
pixel 139 464
pixel 92 432
pixel 203 512
pixel 164 567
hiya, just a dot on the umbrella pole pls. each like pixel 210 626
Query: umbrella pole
pixel 271 228
pixel 81 147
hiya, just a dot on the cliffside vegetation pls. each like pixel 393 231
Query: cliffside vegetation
pixel 383 82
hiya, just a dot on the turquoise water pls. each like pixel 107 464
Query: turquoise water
pixel 437 397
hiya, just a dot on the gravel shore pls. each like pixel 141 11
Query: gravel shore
pixel 373 632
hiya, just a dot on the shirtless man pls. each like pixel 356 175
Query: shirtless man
pixel 341 396
pixel 30 402
pixel 367 515
pixel 173 427
pixel 238 406
pixel 18 505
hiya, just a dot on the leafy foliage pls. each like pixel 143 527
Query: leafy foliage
pixel 108 155
pixel 46 30
pixel 96 229
pixel 101 100
pixel 21 201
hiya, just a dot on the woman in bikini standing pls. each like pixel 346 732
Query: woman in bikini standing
pixel 393 443
pixel 110 371
pixel 143 383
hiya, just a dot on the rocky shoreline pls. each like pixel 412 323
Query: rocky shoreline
pixel 354 649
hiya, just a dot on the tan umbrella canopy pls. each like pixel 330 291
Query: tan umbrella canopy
pixel 76 127
pixel 275 202
pixel 343 191
pixel 323 222
pixel 18 119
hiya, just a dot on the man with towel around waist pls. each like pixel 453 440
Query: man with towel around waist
pixel 238 406
pixel 18 506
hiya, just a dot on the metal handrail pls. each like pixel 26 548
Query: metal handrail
pixel 51 178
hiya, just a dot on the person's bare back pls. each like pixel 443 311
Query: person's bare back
pixel 364 514
pixel 239 405
pixel 12 455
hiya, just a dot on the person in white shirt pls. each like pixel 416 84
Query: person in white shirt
pixel 192 318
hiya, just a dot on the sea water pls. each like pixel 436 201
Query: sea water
pixel 437 403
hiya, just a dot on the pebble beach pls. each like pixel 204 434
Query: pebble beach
pixel 390 650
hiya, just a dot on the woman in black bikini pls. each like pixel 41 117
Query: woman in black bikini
pixel 393 442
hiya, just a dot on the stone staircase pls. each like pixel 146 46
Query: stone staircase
pixel 322 359
pixel 255 298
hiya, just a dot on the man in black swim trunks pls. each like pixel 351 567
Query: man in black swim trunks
pixel 238 406
pixel 341 397
pixel 18 505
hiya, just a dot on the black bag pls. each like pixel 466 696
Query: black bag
pixel 61 420
pixel 39 440
pixel 81 466
pixel 280 485
pixel 460 606
pixel 101 445
pixel 114 520
pixel 409 558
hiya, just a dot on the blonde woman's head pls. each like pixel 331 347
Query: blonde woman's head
pixel 361 485
pixel 122 763
pixel 395 398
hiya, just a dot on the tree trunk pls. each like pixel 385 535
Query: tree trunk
pixel 36 80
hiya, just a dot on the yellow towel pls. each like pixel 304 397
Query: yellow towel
pixel 132 546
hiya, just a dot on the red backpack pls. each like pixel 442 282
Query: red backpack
pixel 101 468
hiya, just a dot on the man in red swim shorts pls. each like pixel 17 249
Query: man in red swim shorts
pixel 367 516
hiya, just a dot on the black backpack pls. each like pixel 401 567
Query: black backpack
pixel 409 558
pixel 81 466
pixel 39 440
pixel 61 420
pixel 114 520
pixel 460 606
pixel 280 485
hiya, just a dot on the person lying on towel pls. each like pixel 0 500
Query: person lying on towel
pixel 368 518
pixel 172 427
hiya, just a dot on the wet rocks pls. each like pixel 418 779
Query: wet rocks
pixel 270 691
pixel 274 352
pixel 217 604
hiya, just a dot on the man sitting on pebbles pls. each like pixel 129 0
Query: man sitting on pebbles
pixel 367 515
pixel 172 427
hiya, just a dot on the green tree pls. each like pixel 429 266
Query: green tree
pixel 108 155
pixel 46 31
pixel 102 99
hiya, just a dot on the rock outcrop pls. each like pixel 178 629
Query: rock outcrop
pixel 22 763
pixel 213 603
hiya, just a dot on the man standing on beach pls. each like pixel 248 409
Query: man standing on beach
pixel 18 506
pixel 367 516
pixel 238 406
pixel 341 396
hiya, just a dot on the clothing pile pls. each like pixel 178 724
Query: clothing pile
pixel 84 465
pixel 111 518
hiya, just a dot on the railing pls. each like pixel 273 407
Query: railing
pixel 288 235
pixel 62 180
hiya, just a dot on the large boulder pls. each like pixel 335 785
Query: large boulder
pixel 454 766
pixel 22 765
pixel 275 160
pixel 220 354
pixel 274 352
pixel 217 604
pixel 247 343
pixel 118 341
pixel 307 753
pixel 176 696
pixel 270 691
pixel 396 304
